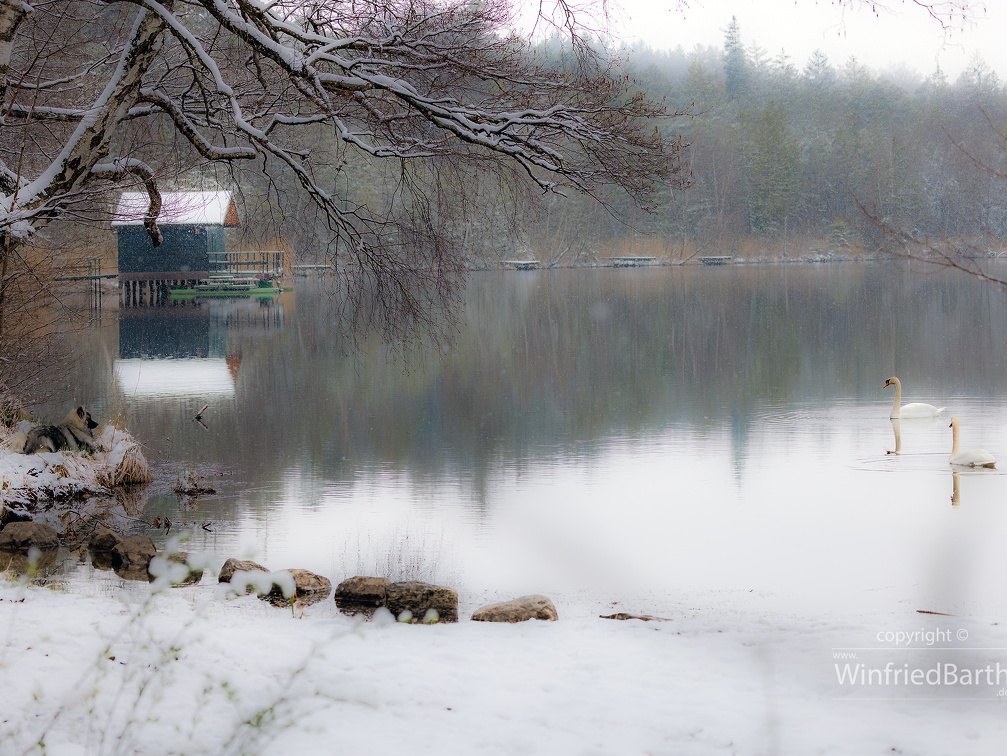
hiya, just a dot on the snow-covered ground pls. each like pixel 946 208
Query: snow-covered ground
pixel 92 667
pixel 187 671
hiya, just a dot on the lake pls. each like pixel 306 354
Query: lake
pixel 591 433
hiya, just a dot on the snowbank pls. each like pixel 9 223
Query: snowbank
pixel 27 480
pixel 186 671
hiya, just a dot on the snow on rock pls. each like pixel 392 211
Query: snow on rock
pixel 518 610
pixel 31 479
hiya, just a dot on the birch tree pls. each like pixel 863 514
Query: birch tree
pixel 90 88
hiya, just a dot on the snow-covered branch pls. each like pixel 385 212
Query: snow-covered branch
pixel 308 89
pixel 122 167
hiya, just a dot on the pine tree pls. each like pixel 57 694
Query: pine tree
pixel 773 170
pixel 735 62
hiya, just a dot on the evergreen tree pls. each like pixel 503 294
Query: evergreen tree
pixel 773 170
pixel 819 73
pixel 735 62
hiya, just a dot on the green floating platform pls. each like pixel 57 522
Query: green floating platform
pixel 260 291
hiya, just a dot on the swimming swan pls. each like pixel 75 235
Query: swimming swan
pixel 913 409
pixel 974 458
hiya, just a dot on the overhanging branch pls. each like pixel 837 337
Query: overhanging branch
pixel 122 167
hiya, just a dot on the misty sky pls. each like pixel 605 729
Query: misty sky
pixel 904 34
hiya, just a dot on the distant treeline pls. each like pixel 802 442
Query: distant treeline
pixel 838 153
pixel 825 156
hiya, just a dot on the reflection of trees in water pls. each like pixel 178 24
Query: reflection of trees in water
pixel 561 362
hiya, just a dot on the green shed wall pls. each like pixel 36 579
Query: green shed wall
pixel 186 250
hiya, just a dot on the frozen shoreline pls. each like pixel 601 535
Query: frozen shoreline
pixel 101 666
pixel 733 673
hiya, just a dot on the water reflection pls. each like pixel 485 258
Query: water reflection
pixel 689 427
pixel 897 430
pixel 189 350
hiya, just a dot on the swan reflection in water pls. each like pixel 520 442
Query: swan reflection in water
pixel 956 490
pixel 897 429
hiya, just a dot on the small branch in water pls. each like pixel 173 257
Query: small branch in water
pixel 698 250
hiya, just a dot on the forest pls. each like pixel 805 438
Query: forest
pixel 784 158
pixel 826 151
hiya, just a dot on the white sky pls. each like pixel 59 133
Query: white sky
pixel 902 34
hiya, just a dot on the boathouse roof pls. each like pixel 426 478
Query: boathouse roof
pixel 179 208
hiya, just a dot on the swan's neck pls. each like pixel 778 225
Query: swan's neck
pixel 954 439
pixel 898 398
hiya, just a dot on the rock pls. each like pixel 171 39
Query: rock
pixel 517 610
pixel 190 576
pixel 8 515
pixel 103 539
pixel 135 551
pixel 21 536
pixel 136 572
pixel 361 595
pixel 309 588
pixel 418 598
pixel 102 560
pixel 238 565
pixel 35 564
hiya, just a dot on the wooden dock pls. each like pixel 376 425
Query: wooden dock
pixel 632 261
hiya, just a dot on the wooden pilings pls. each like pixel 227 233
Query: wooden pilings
pixel 145 293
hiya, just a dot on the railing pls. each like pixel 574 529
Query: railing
pixel 249 263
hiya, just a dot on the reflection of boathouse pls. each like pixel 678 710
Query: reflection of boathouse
pixel 191 350
pixel 192 225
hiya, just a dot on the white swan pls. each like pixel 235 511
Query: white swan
pixel 973 458
pixel 913 409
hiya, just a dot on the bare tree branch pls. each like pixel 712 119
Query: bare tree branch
pixel 131 166
pixel 315 90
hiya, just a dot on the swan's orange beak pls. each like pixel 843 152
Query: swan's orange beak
pixel 887 384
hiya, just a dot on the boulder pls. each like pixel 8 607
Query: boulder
pixel 8 515
pixel 419 598
pixel 238 565
pixel 136 572
pixel 135 551
pixel 361 595
pixel 517 610
pixel 36 563
pixel 103 539
pixel 308 588
pixel 102 560
pixel 21 536
pixel 190 576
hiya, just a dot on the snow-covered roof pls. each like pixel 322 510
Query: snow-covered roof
pixel 189 208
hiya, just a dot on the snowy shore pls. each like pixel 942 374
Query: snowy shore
pixel 103 667
pixel 187 671
pixel 27 480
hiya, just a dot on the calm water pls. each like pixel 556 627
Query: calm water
pixel 592 432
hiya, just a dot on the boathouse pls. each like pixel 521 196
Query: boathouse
pixel 192 225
